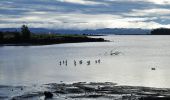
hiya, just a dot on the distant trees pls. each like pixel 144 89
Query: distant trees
pixel 17 36
pixel 1 36
pixel 160 31
pixel 26 37
pixel 26 34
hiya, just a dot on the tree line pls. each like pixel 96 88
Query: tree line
pixel 23 36
pixel 160 31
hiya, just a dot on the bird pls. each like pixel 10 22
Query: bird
pixel 74 63
pixel 88 62
pixel 153 68
pixel 99 61
pixel 96 61
pixel 66 62
pixel 60 63
pixel 80 62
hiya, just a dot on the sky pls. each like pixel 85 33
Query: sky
pixel 85 14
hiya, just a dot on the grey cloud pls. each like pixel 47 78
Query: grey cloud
pixel 63 14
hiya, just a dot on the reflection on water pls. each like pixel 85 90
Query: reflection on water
pixel 128 60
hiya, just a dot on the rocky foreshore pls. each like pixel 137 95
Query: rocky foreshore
pixel 83 91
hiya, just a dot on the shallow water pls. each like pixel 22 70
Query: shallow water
pixel 27 65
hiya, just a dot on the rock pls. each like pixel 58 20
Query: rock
pixel 74 90
pixel 48 94
pixel 155 98
pixel 95 95
pixel 87 88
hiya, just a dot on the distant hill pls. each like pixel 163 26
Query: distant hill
pixel 117 31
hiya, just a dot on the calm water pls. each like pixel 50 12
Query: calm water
pixel 23 65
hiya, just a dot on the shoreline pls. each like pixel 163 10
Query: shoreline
pixel 85 90
pixel 59 40
pixel 27 44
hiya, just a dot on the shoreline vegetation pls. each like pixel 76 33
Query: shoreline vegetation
pixel 84 91
pixel 160 31
pixel 26 38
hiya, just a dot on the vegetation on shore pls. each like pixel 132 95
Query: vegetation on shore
pixel 160 31
pixel 25 37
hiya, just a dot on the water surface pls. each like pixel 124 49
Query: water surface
pixel 25 65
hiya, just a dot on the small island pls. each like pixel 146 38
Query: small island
pixel 26 37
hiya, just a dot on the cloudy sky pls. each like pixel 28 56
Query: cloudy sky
pixel 85 14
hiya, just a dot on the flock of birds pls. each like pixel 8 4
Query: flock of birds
pixel 80 62
pixel 88 62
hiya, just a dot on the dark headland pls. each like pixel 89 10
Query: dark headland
pixel 26 37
